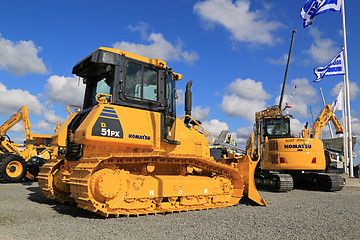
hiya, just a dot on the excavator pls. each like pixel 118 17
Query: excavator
pixel 18 162
pixel 287 161
pixel 126 152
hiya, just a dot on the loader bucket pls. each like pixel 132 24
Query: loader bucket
pixel 246 167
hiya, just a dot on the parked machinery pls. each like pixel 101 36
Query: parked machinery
pixel 128 154
pixel 225 144
pixel 288 161
pixel 16 161
pixel 285 160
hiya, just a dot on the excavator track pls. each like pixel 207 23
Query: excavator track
pixel 328 182
pixel 276 182
pixel 119 184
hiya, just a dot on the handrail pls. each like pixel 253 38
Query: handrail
pixel 101 100
pixel 194 121
pixel 198 124
pixel 74 106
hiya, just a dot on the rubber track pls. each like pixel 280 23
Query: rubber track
pixel 328 182
pixel 286 183
pixel 275 182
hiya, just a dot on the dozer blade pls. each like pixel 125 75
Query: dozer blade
pixel 246 167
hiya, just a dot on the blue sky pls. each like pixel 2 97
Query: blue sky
pixel 234 51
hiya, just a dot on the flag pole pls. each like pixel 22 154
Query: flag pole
pixel 345 131
pixel 347 103
pixel 322 96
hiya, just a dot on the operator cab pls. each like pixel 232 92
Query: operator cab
pixel 276 128
pixel 131 81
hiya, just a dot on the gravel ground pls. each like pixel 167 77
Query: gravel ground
pixel 26 214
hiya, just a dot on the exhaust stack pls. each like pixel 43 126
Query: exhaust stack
pixel 188 102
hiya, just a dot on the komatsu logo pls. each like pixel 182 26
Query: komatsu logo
pixel 298 146
pixel 139 136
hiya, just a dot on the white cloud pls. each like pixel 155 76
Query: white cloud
pixel 296 126
pixel 322 50
pixel 142 28
pixel 353 88
pixel 20 58
pixel 235 106
pixel 249 89
pixel 158 47
pixel 44 126
pixel 280 61
pixel 242 135
pixel 299 94
pixel 18 128
pixel 245 98
pixel 65 90
pixel 12 100
pixel 199 113
pixel 50 117
pixel 355 126
pixel 243 24
pixel 215 127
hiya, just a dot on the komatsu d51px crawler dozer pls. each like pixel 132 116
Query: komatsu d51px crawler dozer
pixel 128 154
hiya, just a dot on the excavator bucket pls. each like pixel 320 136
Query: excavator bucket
pixel 246 167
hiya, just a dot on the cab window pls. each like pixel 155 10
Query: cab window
pixel 141 82
pixel 277 127
pixel 100 84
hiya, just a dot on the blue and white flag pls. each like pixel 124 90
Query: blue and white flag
pixel 316 7
pixel 335 67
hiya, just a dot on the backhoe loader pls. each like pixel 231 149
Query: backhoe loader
pixel 17 162
pixel 126 152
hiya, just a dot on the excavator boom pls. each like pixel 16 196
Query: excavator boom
pixel 324 117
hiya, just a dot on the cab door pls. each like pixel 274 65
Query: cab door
pixel 170 111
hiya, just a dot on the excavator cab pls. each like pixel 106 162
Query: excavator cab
pixel 276 128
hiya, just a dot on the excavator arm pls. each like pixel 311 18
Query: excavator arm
pixel 22 114
pixel 324 117
pixel 12 121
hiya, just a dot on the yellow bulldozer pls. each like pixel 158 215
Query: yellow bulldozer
pixel 17 161
pixel 126 152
